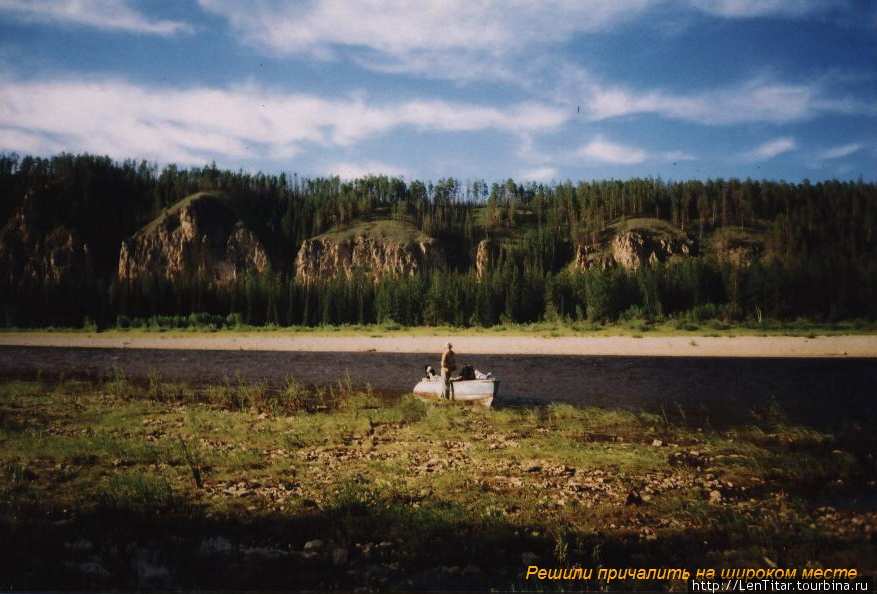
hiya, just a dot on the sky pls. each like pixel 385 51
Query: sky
pixel 542 91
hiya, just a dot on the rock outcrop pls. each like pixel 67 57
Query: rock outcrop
pixel 633 249
pixel 324 257
pixel 740 252
pixel 57 257
pixel 589 256
pixel 195 238
pixel 485 257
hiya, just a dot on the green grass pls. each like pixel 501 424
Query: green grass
pixel 681 326
pixel 398 492
pixel 383 229
pixel 755 237
pixel 175 209
pixel 647 224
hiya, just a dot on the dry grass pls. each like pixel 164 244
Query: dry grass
pixel 120 485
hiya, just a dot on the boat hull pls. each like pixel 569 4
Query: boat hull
pixel 481 392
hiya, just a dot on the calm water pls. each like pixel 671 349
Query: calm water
pixel 819 392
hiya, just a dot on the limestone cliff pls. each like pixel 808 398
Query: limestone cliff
pixel 375 257
pixel 195 237
pixel 634 248
pixel 56 257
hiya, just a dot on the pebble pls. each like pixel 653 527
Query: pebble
pixel 313 545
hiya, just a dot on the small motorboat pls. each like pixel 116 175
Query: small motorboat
pixel 476 391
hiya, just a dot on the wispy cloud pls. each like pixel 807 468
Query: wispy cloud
pixel 764 98
pixel 100 14
pixel 191 125
pixel 761 8
pixel 515 42
pixel 601 150
pixel 457 39
pixel 757 100
pixel 771 149
pixel 347 170
pixel 539 174
pixel 839 152
pixel 604 151
pixel 399 27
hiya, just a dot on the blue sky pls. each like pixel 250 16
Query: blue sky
pixel 538 91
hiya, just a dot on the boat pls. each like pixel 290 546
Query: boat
pixel 475 391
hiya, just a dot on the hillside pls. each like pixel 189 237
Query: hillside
pixel 632 244
pixel 198 236
pixel 376 248
pixel 86 240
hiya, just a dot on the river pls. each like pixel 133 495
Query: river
pixel 713 391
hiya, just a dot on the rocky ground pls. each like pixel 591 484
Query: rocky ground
pixel 118 485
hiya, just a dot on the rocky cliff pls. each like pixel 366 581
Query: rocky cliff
pixel 634 248
pixel 485 257
pixel 57 257
pixel 375 257
pixel 198 236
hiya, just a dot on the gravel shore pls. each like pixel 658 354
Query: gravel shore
pixel 647 346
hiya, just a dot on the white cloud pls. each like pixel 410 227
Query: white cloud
pixel 605 151
pixel 513 41
pixel 539 174
pixel 840 152
pixel 457 39
pixel 769 150
pixel 101 14
pixel 191 125
pixel 398 27
pixel 351 170
pixel 27 142
pixel 401 28
pixel 754 101
pixel 765 98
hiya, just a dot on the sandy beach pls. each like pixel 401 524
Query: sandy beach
pixel 647 346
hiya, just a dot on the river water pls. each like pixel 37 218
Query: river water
pixel 712 391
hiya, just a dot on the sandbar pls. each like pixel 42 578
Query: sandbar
pixel 852 346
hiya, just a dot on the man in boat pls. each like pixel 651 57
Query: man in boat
pixel 449 365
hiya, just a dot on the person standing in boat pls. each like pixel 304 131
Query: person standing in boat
pixel 449 365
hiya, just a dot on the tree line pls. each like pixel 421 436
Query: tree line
pixel 820 247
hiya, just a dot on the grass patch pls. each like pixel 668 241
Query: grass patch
pixel 380 229
pixel 701 321
pixel 341 488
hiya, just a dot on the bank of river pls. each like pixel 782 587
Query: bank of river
pixel 717 389
pixel 849 346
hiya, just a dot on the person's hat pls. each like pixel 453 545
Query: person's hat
pixel 448 345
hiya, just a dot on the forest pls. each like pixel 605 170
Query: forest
pixel 818 258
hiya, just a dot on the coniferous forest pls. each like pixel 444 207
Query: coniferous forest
pixel 816 256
